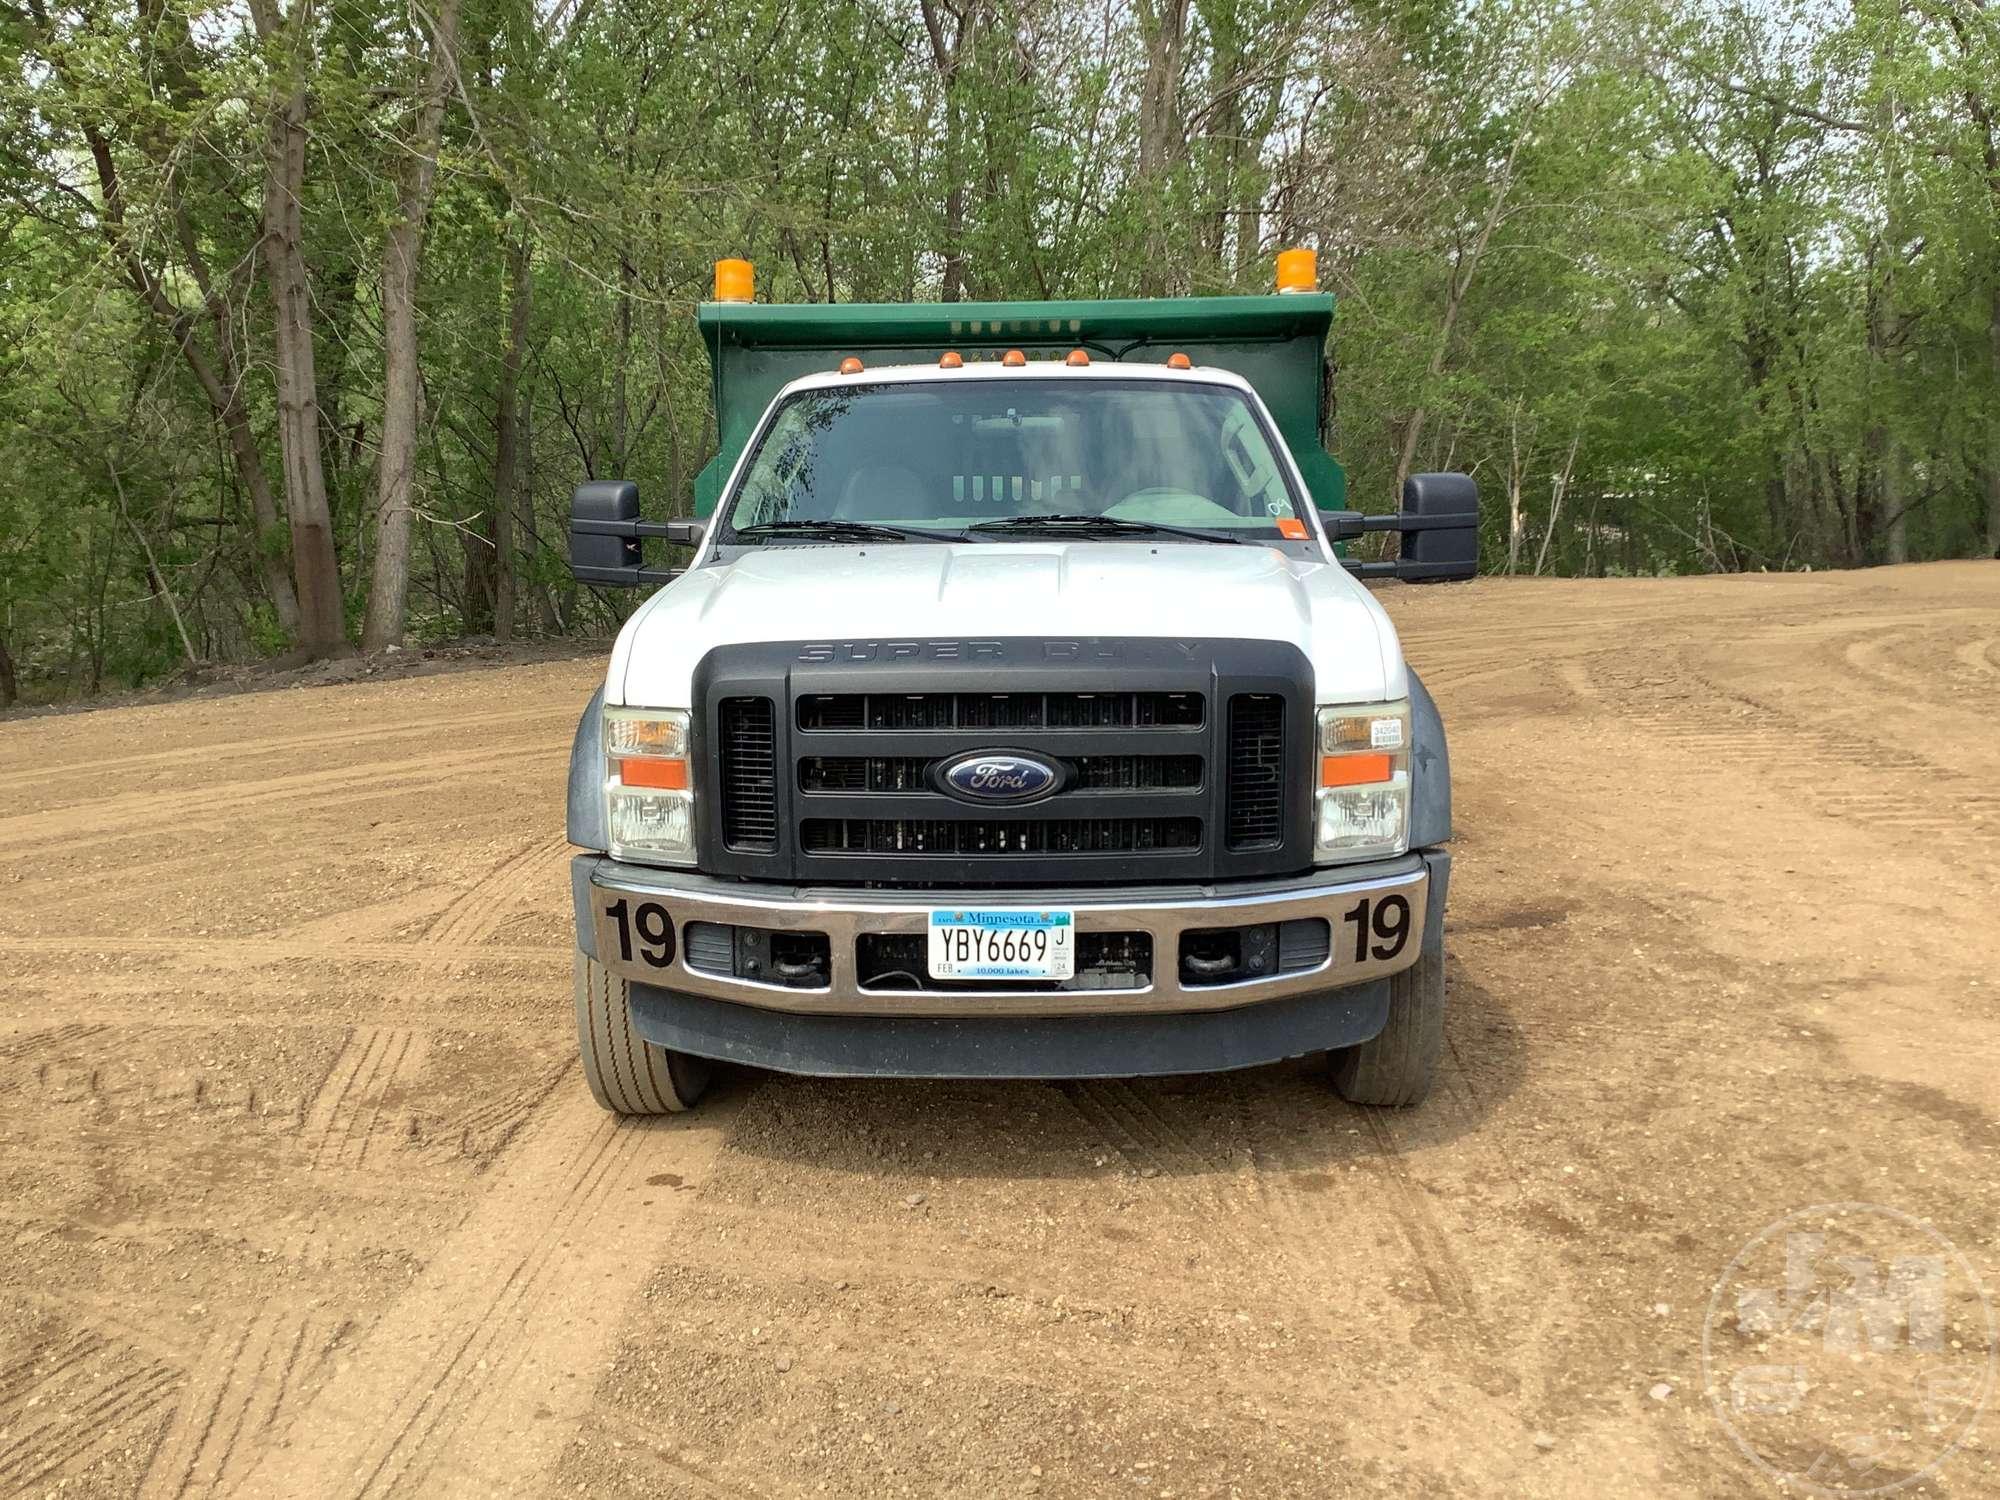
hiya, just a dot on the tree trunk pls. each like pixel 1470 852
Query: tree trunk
pixel 947 55
pixel 507 476
pixel 402 255
pixel 218 375
pixel 1990 470
pixel 10 681
pixel 316 566
pixel 1517 521
pixel 1163 24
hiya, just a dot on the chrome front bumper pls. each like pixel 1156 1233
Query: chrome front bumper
pixel 1164 912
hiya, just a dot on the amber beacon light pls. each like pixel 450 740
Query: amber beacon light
pixel 735 281
pixel 1298 270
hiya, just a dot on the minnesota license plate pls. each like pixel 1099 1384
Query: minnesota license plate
pixel 967 944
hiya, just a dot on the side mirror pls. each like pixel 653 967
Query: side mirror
pixel 592 550
pixel 1440 528
pixel 605 535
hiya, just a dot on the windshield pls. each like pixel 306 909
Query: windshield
pixel 948 455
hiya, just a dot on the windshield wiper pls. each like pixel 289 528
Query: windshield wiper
pixel 1085 525
pixel 860 531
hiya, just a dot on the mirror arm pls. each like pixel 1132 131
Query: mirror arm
pixel 681 533
pixel 626 578
pixel 1344 525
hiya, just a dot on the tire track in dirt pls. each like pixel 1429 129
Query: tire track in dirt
pixel 1846 776
pixel 345 1117
pixel 480 911
pixel 220 755
pixel 88 1395
pixel 130 815
pixel 16 1049
pixel 341 1121
pixel 1138 1124
pixel 444 1394
pixel 245 1381
pixel 1327 1183
pixel 1981 656
pixel 1431 1247
pixel 486 1129
pixel 231 954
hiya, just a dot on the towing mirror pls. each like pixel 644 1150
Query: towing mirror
pixel 1444 541
pixel 605 536
pixel 1440 526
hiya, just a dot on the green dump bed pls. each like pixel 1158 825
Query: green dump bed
pixel 1277 343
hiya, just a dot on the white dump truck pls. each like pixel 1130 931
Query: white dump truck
pixel 1017 714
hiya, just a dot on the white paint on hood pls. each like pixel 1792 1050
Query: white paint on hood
pixel 1066 590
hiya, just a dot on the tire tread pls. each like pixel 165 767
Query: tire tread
pixel 1394 1068
pixel 627 1074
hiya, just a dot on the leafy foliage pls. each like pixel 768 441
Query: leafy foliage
pixel 1687 284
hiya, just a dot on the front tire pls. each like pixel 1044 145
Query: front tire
pixel 627 1074
pixel 1394 1068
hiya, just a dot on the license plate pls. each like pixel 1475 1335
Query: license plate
pixel 1003 945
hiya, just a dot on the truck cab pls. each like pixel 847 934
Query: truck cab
pixel 1017 715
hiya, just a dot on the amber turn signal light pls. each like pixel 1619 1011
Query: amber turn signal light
pixel 664 775
pixel 1354 770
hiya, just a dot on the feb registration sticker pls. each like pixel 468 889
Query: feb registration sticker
pixel 968 944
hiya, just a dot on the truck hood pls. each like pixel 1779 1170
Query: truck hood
pixel 1064 590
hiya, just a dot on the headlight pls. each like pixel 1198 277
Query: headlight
pixel 649 796
pixel 1363 810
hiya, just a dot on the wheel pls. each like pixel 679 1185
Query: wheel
pixel 627 1074
pixel 1394 1067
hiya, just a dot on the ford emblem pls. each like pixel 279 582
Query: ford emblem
pixel 997 776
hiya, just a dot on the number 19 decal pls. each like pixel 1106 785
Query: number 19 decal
pixel 650 925
pixel 1386 921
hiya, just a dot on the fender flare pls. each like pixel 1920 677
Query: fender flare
pixel 586 779
pixel 1430 770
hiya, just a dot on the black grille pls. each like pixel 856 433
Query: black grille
pixel 822 712
pixel 749 776
pixel 1178 760
pixel 935 836
pixel 1256 772
pixel 1088 773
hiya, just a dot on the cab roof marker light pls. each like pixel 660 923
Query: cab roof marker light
pixel 1077 357
pixel 1179 361
pixel 735 281
pixel 1013 359
pixel 1298 270
pixel 850 366
pixel 950 360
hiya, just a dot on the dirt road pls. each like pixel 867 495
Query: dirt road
pixel 302 1192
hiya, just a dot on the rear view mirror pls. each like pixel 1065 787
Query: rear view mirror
pixel 592 551
pixel 1444 541
pixel 605 535
pixel 1440 526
